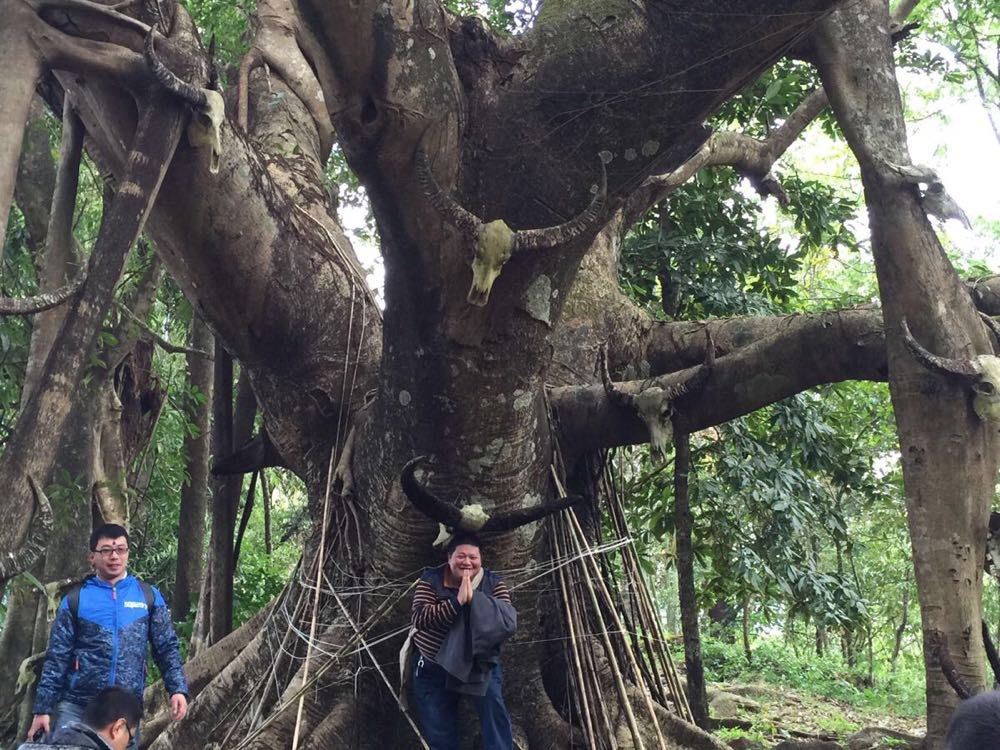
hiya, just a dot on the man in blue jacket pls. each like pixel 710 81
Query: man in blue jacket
pixel 99 639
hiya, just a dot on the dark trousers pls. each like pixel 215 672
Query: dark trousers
pixel 437 708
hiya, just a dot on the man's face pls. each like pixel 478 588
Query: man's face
pixel 110 558
pixel 464 561
pixel 117 734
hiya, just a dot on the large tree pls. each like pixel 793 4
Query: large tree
pixel 444 121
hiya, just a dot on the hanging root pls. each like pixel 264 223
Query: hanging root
pixel 33 546
pixel 343 475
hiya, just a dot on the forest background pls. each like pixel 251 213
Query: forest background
pixel 802 558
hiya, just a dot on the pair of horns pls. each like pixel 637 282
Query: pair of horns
pixel 524 239
pixel 452 517
pixel 674 390
pixel 176 85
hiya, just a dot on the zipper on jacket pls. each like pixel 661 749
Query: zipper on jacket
pixel 114 636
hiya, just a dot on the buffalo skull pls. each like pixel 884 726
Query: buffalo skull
pixel 495 241
pixel 208 108
pixel 654 401
pixel 981 373
pixel 471 517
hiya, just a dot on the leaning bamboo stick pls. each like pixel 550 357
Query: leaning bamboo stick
pixel 679 695
pixel 588 727
pixel 633 725
pixel 591 632
pixel 643 688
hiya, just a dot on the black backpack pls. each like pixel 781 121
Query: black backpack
pixel 73 597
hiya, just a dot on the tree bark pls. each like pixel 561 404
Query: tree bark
pixel 687 592
pixel 224 501
pixel 195 491
pixel 232 427
pixel 949 483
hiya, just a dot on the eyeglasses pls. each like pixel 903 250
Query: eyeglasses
pixel 129 730
pixel 109 551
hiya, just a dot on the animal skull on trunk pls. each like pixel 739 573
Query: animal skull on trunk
pixel 495 242
pixel 209 108
pixel 452 519
pixel 981 373
pixel 654 401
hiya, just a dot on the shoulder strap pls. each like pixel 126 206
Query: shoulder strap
pixel 73 600
pixel 73 596
pixel 147 594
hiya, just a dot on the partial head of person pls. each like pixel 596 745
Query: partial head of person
pixel 464 558
pixel 111 719
pixel 975 725
pixel 109 551
pixel 114 714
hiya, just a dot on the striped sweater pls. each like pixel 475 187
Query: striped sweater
pixel 435 607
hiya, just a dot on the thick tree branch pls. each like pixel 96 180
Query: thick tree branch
pixel 751 157
pixel 22 67
pixel 40 424
pixel 802 351
pixel 254 456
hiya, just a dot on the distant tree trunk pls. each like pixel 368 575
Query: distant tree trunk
pixel 231 429
pixel 200 635
pixel 265 497
pixel 245 518
pixel 820 640
pixel 746 630
pixel 897 645
pixel 697 695
pixel 194 492
pixel 220 613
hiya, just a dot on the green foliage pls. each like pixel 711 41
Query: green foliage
pixel 500 15
pixel 775 661
pixel 228 22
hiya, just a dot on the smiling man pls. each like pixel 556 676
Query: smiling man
pixel 461 615
pixel 99 639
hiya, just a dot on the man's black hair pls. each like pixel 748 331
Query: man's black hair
pixel 110 705
pixel 107 531
pixel 975 725
pixel 463 537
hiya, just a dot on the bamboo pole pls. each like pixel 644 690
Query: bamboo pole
pixel 574 645
pixel 643 688
pixel 651 621
pixel 590 629
pixel 633 725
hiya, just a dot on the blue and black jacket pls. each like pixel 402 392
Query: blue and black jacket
pixel 104 644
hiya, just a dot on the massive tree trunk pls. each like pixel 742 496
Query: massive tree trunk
pixel 950 483
pixel 516 128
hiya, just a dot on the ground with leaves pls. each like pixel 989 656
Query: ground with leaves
pixel 771 714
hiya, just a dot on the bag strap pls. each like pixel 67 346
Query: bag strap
pixel 147 594
pixel 73 597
